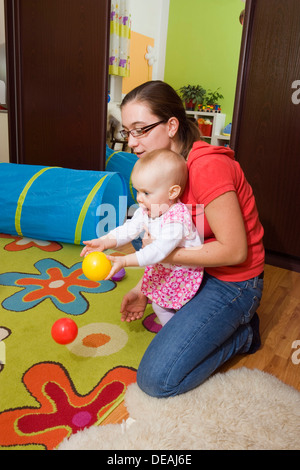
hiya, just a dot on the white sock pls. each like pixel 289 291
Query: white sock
pixel 163 314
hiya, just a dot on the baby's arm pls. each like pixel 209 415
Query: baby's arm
pixel 117 237
pixel 120 262
pixel 170 237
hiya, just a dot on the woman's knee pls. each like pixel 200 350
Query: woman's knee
pixel 148 382
pixel 151 379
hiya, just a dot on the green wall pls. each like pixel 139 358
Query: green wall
pixel 203 46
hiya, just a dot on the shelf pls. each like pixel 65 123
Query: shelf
pixel 218 124
pixel 223 137
pixel 204 113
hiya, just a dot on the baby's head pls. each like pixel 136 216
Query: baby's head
pixel 159 178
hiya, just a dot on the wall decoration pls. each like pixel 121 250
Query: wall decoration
pixel 140 72
pixel 150 55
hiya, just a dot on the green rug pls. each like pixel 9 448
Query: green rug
pixel 49 391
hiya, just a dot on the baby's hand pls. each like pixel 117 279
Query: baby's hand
pixel 92 245
pixel 118 264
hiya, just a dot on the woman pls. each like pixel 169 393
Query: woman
pixel 220 321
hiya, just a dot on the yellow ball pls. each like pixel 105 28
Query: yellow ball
pixel 96 266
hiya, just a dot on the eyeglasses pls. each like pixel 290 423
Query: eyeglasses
pixel 139 132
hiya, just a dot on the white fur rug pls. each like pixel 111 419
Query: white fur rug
pixel 239 409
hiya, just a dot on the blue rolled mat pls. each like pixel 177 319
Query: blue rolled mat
pixel 123 162
pixel 60 204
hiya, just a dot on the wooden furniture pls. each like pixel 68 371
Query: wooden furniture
pixel 218 124
pixel 266 122
pixel 57 58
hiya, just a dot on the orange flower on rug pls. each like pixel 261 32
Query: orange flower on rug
pixel 61 410
pixel 24 243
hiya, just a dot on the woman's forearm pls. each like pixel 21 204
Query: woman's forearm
pixel 208 255
pixel 230 245
pixel 138 287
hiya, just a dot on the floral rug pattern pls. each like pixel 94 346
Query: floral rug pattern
pixel 50 391
pixel 63 285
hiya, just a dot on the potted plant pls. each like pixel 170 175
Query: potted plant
pixel 192 96
pixel 212 99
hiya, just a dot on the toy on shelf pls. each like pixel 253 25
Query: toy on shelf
pixel 212 99
pixel 205 126
pixel 227 130
pixel 210 108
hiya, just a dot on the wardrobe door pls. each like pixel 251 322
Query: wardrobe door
pixel 57 81
pixel 266 122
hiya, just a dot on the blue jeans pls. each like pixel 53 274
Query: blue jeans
pixel 210 329
pixel 137 243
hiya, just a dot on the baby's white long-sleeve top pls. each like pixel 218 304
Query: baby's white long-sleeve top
pixel 167 234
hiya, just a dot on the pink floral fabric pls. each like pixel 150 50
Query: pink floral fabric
pixel 172 286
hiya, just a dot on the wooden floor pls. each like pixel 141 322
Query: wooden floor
pixel 279 314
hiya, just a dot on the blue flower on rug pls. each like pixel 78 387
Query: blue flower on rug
pixel 55 281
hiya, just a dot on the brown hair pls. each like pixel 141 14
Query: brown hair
pixel 165 103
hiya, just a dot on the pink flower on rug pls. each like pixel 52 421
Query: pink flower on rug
pixel 151 324
pixel 60 410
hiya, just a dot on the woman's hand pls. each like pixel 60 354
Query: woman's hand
pixel 147 239
pixel 133 304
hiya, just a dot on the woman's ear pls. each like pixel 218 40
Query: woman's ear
pixel 173 126
pixel 174 192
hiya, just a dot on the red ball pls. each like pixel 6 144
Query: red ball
pixel 64 331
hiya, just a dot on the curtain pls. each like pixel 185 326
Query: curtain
pixel 120 27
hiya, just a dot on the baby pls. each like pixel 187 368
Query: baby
pixel 159 179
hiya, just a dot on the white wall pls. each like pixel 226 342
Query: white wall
pixel 151 19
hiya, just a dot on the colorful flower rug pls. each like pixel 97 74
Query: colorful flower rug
pixel 49 391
